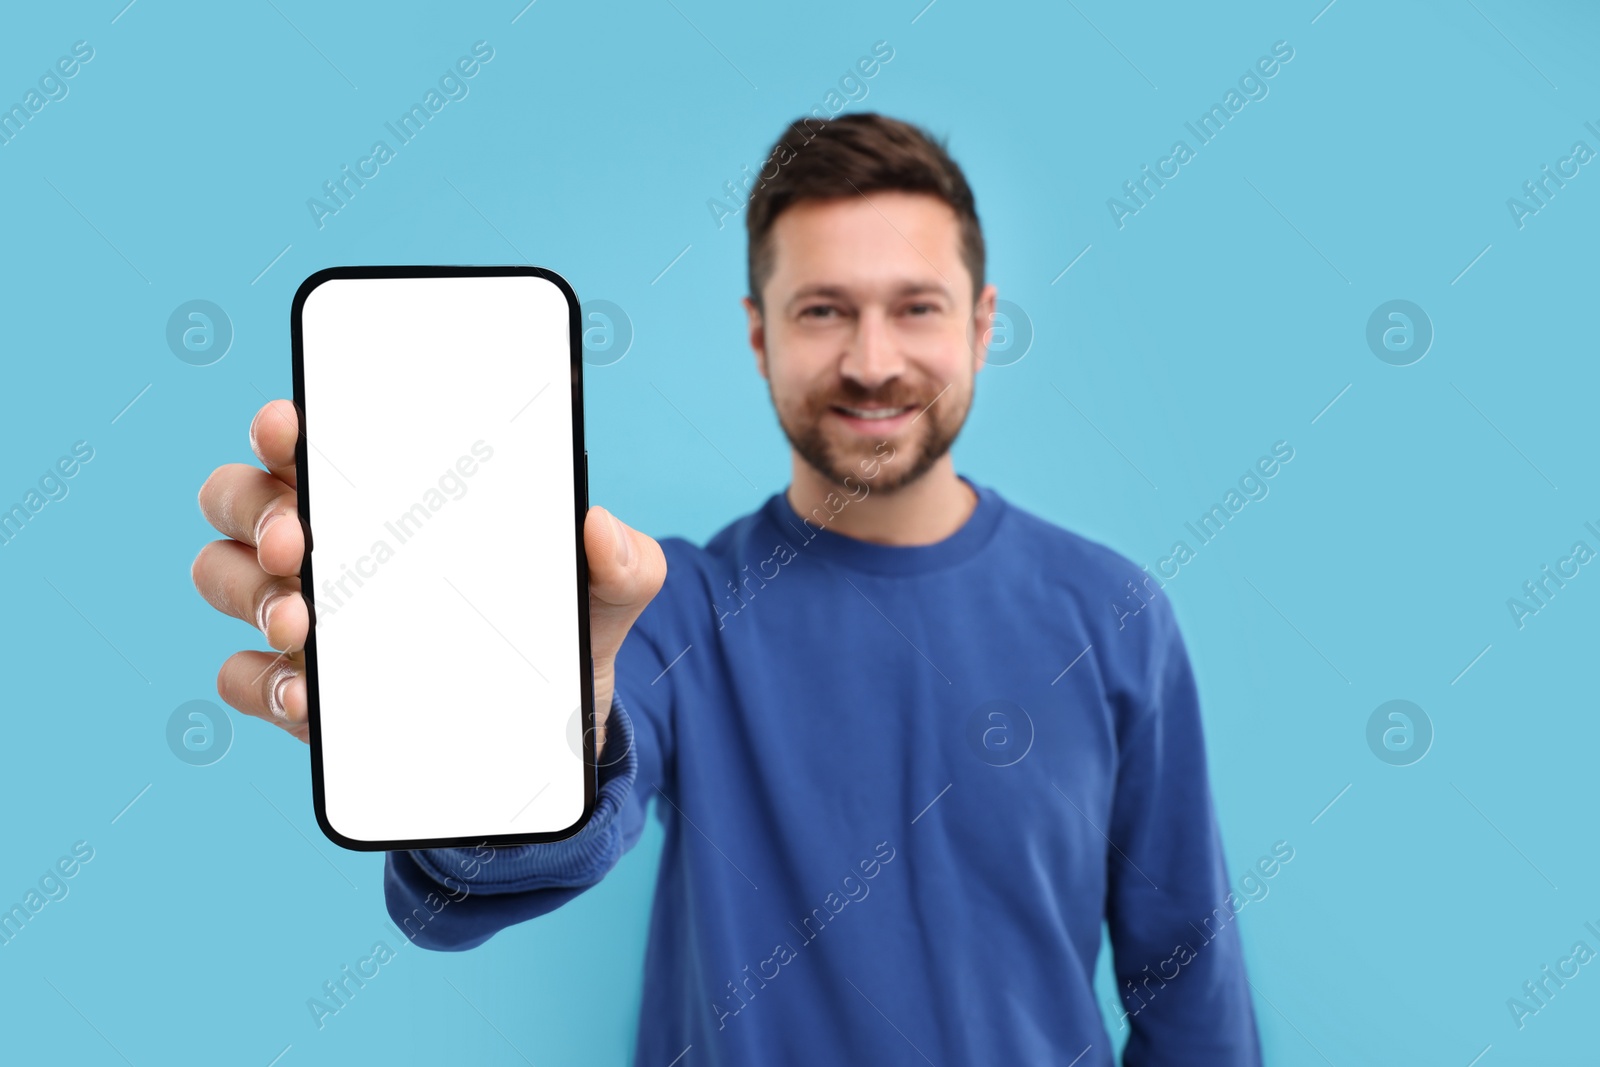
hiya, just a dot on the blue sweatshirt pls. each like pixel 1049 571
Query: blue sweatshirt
pixel 901 788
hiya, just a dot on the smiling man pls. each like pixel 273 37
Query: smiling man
pixel 908 759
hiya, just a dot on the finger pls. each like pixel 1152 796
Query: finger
pixel 227 575
pixel 268 687
pixel 621 560
pixel 273 433
pixel 626 570
pixel 248 504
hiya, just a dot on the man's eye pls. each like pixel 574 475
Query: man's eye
pixel 818 311
pixel 921 309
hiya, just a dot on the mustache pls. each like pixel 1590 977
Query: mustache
pixel 857 396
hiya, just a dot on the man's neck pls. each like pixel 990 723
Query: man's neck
pixel 928 510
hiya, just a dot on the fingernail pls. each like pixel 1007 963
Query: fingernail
pixel 280 689
pixel 624 543
pixel 265 619
pixel 264 524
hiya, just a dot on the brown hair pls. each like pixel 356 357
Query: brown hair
pixel 846 157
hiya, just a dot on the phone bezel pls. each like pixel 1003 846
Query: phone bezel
pixel 580 510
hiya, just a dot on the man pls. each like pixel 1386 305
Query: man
pixel 912 744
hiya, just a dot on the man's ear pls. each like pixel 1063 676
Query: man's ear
pixel 983 325
pixel 758 334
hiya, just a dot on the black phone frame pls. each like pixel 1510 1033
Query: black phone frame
pixel 580 482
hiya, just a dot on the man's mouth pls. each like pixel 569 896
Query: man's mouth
pixel 873 413
pixel 874 420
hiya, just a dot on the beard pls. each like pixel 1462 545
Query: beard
pixel 836 453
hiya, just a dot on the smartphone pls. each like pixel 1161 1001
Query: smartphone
pixel 443 484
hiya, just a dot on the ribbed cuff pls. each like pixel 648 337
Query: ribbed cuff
pixel 582 859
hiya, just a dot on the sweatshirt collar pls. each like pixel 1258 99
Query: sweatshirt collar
pixel 807 539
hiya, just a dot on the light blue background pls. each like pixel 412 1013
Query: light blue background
pixel 1225 316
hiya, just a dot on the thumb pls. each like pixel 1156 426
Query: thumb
pixel 626 571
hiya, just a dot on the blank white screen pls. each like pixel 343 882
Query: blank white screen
pixel 439 459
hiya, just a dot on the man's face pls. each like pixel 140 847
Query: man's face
pixel 870 334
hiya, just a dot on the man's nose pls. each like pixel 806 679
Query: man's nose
pixel 872 357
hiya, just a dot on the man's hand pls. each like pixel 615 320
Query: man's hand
pixel 254 575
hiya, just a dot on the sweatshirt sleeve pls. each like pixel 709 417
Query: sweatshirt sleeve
pixel 1175 940
pixel 458 898
pixel 453 899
